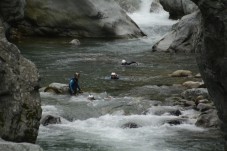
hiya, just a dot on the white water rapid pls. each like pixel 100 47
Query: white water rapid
pixel 135 98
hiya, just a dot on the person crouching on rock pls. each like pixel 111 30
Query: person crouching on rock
pixel 124 62
pixel 114 76
pixel 74 85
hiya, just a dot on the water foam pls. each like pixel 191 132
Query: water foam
pixel 144 17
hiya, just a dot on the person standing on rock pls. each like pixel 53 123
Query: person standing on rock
pixel 124 62
pixel 74 84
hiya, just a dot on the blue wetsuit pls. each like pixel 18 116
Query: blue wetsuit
pixel 73 86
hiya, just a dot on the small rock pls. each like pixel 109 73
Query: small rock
pixel 198 75
pixel 130 125
pixel 75 42
pixel 49 119
pixel 204 107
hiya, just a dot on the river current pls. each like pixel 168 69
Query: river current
pixel 137 97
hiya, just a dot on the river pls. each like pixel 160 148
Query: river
pixel 98 125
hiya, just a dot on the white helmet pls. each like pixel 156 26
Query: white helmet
pixel 91 97
pixel 113 74
pixel 123 61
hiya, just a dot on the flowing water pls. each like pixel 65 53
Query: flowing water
pixel 137 97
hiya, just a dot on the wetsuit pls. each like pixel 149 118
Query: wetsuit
pixel 73 86
pixel 128 63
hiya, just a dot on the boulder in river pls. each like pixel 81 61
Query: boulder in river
pixel 57 88
pixel 182 36
pixel 76 18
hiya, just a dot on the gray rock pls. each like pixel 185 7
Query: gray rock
pixel 20 101
pixel 10 146
pixel 182 36
pixel 208 119
pixel 192 94
pixel 211 48
pixel 80 18
pixel 49 119
pixel 204 107
pixel 156 7
pixel 178 8
pixel 130 125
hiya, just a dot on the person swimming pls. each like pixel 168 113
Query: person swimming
pixel 124 62
pixel 114 76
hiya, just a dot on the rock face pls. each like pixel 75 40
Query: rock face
pixel 19 98
pixel 80 18
pixel 182 36
pixel 178 8
pixel 12 10
pixel 212 53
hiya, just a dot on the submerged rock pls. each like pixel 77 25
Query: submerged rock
pixel 130 125
pixel 49 119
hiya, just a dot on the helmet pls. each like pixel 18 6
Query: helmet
pixel 113 74
pixel 76 75
pixel 123 61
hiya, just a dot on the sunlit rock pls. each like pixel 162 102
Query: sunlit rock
pixel 75 42
pixel 192 84
pixel 181 73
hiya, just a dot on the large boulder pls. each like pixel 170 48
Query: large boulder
pixel 182 36
pixel 20 101
pixel 212 53
pixel 76 18
pixel 178 8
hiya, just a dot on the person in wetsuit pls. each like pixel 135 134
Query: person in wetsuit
pixel 124 62
pixel 74 84
pixel 114 76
